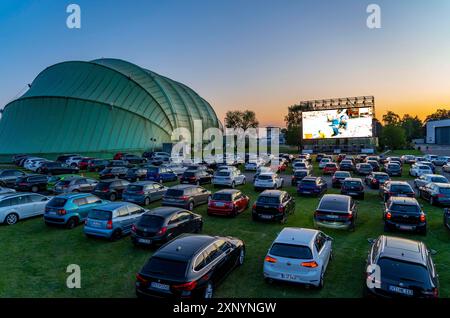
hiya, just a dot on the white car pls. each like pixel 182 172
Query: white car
pixel 230 178
pixel 302 165
pixel 299 255
pixel 38 164
pixel 323 162
pixel 252 166
pixel 268 180
pixel 418 169
pixel 177 168
pixel 18 206
pixel 427 178
pixel 74 161
pixel 30 163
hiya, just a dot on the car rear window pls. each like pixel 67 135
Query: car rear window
pixel 152 170
pixel 308 182
pixel 57 202
pixel 342 175
pixel 330 165
pixel 152 221
pixel 393 166
pixel 174 193
pixel 291 251
pixel 221 196
pixel 135 188
pixel 300 173
pixel 381 177
pixel 439 179
pixel 100 215
pixel 157 265
pixel 267 199
pixel 400 188
pixel 334 205
pixel 223 174
pixel 352 183
pixel 260 177
pixel 404 208
pixel 406 272
pixel 103 185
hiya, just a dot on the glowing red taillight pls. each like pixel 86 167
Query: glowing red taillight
pixel 109 224
pixel 187 286
pixel 162 231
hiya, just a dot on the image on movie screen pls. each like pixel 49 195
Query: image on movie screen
pixel 337 123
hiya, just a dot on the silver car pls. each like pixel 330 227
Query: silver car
pixel 75 184
pixel 18 206
pixel 299 255
pixel 427 178
pixel 229 178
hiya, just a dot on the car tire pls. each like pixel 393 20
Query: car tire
pixel 191 206
pixel 116 235
pixel 321 281
pixel 199 228
pixel 209 290
pixel 147 201
pixel 34 189
pixel 11 219
pixel 71 223
pixel 268 280
pixel 112 197
pixel 233 185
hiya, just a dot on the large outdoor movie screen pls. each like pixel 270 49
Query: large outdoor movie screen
pixel 337 123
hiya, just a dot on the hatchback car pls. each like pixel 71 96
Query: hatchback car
pixel 408 159
pixel 84 163
pixel 301 165
pixel 196 177
pixel 133 159
pixel 119 163
pixel 70 209
pixel 353 187
pixel 111 189
pixel 339 177
pixel 436 193
pixel 299 256
pixel 298 176
pixel 114 172
pixel 33 183
pixel 143 192
pixel 229 178
pixel 112 220
pixel 397 267
pixel 376 179
pixel 18 206
pixel 375 165
pixel 268 180
pixel 396 189
pixel 393 169
pixel 186 196
pixel 336 211
pixel 97 165
pixel 55 168
pixel 273 205
pixel 312 186
pixel 8 177
pixel 363 169
pixel 419 169
pixel 75 184
pixel 323 162
pixel 191 266
pixel 228 203
pixel 160 174
pixel 346 165
pixel 163 224
pixel 427 178
pixel 404 214
pixel 136 174
pixel 252 166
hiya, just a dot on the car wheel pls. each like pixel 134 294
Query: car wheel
pixel 268 280
pixel 209 290
pixel 241 257
pixel 117 234
pixel 233 185
pixel 11 219
pixel 322 281
pixel 147 201
pixel 199 228
pixel 191 206
pixel 112 197
pixel 34 189
pixel 71 223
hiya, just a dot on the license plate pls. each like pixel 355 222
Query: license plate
pixel 333 216
pixel 52 213
pixel 96 224
pixel 306 192
pixel 406 227
pixel 184 181
pixel 264 216
pixel 401 290
pixel 352 193
pixel 160 286
pixel 289 276
pixel 145 241
pixel 401 195
pixel 220 204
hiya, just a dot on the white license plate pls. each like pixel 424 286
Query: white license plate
pixel 52 213
pixel 145 241
pixel 185 182
pixel 306 192
pixel 406 227
pixel 160 286
pixel 401 290
pixel 220 204
pixel 401 195
pixel 264 216
pixel 333 216
pixel 96 224
pixel 352 193
pixel 289 276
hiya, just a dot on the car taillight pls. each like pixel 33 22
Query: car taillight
pixel 62 211
pixel 374 180
pixel 312 264
pixel 435 292
pixel 423 218
pixel 270 259
pixel 140 192
pixel 133 228
pixel 105 190
pixel 254 206
pixel 187 286
pixel 388 215
pixel 141 279
pixel 184 198
pixel 109 224
pixel 162 231
pixel 281 208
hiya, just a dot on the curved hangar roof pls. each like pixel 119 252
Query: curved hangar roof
pixel 104 105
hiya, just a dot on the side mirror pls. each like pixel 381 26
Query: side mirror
pixel 432 252
pixel 371 240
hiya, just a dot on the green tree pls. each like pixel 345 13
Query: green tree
pixel 249 120
pixel 241 119
pixel 293 122
pixel 439 114
pixel 413 127
pixel 391 118
pixel 393 137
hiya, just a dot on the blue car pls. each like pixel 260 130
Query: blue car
pixel 312 186
pixel 112 220
pixel 70 209
pixel 160 174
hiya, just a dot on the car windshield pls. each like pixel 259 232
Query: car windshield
pixel 330 165
pixel 308 182
pixel 406 272
pixel 291 251
pixel 135 188
pixel 57 202
pixel 157 265
pixel 100 215
pixel 352 183
pixel 334 205
pixel 264 177
pixel 221 196
pixel 107 170
pixel 393 166
pixel 439 179
pixel 152 221
pixel 300 173
pixel 404 208
pixel 152 170
pixel 174 193
pixel 402 188
pixel 269 200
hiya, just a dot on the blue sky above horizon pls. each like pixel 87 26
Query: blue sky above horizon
pixel 262 55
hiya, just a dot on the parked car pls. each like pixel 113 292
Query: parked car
pixel 436 193
pixel 55 168
pixel 112 220
pixel 353 187
pixel 262 170
pixel 74 161
pixel 160 174
pixel 8 177
pixel 336 211
pixel 195 177
pixel 375 165
pixel 310 250
pixel 361 158
pixel 330 168
pixel 302 165
pixel 404 214
pixel 268 180
pixel 377 179
pixel 440 161
pixel 273 205
pixel 177 168
pixel 324 162
pixel 114 172
pixel 83 164
pixel 430 165
pixel 228 202
pixel 230 178
pixel 119 163
pixel 405 267
pixel 446 167
pixel 190 266
pixel 252 166
pixel 97 165
pixel 111 189
pixel 163 224
pixel 136 174
pixel 319 156
pixel 312 186
pixel 75 184
pixel 19 206
pixel 346 165
pixel 33 183
pixel 393 169
pixel 419 169
pixel 186 196
pixel 18 157
pixel 298 175
pixel 427 178
pixel 373 158
pixel 339 177
pixel 119 155
pixel 396 189
pixel 65 157
pixel 394 160
pixel 143 192
pixel 363 169
pixel 133 159
pixel 70 209
pixel 408 159
pixel 33 164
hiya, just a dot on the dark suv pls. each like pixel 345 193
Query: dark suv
pixel 96 165
pixel 353 187
pixel 396 189
pixel 186 196
pixel 33 183
pixel 8 177
pixel 398 267
pixel 273 205
pixel 196 177
pixel 404 214
pixel 298 176
pixel 110 189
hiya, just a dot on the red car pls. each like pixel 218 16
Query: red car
pixel 228 202
pixel 330 168
pixel 119 155
pixel 83 164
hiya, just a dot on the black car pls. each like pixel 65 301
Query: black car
pixel 110 189
pixel 336 211
pixel 96 165
pixel 133 159
pixel 119 163
pixel 319 156
pixel 186 196
pixel 298 176
pixel 33 183
pixel 396 189
pixel 164 224
pixel 200 168
pixel 114 172
pixel 353 187
pixel 436 193
pixel 404 214
pixel 55 168
pixel 398 267
pixel 16 159
pixel 191 266
pixel 376 179
pixel 136 174
pixel 346 165
pixel 339 177
pixel 8 177
pixel 273 205
pixel 393 169
pixel 196 177
pixel 375 165
pixel 360 158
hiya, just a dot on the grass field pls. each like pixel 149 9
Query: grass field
pixel 33 257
